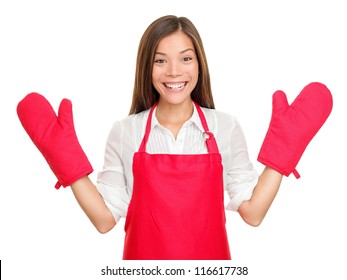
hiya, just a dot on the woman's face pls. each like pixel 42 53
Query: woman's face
pixel 175 69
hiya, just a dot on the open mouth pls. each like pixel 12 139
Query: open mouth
pixel 175 86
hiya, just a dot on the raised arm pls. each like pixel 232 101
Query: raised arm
pixel 93 204
pixel 254 210
pixel 56 139
pixel 291 129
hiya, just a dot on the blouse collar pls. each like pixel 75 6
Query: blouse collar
pixel 194 119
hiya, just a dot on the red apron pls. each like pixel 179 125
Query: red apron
pixel 177 206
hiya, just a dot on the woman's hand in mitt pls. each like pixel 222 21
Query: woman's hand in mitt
pixel 292 127
pixel 55 137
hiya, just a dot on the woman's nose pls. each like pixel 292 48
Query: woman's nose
pixel 174 69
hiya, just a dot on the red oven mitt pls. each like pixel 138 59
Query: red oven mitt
pixel 292 127
pixel 55 137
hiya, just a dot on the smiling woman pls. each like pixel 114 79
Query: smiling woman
pixel 169 162
pixel 155 52
pixel 175 70
pixel 174 76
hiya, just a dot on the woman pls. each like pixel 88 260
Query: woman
pixel 168 163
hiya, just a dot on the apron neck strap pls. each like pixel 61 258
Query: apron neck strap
pixel 208 135
pixel 148 129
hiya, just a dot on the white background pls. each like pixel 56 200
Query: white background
pixel 86 51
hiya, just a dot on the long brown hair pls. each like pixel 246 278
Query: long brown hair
pixel 144 93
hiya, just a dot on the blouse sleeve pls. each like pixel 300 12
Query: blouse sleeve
pixel 241 177
pixel 111 181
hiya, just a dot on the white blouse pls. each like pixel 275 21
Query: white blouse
pixel 115 181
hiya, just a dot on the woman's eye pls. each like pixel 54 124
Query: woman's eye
pixel 188 58
pixel 159 61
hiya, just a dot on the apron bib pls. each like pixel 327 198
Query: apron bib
pixel 177 207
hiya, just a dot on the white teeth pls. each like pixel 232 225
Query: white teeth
pixel 175 86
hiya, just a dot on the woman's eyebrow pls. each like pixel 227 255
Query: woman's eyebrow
pixel 160 53
pixel 184 51
pixel 189 49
